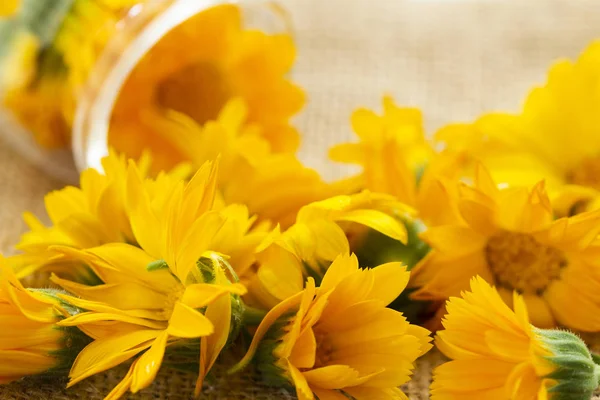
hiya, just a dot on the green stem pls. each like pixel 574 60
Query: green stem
pixel 253 316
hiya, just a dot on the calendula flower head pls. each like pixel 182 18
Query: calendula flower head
pixel 397 159
pixel 177 287
pixel 556 136
pixel 30 341
pixel 510 238
pixel 274 186
pixel 497 354
pixel 320 234
pixel 228 61
pixel 392 147
pixel 340 339
pixel 87 216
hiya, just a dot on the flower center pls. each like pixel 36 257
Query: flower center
pixel 170 300
pixel 520 262
pixel 199 91
pixel 324 350
pixel 586 174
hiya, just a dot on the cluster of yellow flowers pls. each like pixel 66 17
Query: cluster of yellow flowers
pixel 171 251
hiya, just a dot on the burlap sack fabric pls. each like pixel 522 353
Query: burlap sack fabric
pixel 454 59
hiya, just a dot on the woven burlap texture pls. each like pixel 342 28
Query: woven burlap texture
pixel 454 59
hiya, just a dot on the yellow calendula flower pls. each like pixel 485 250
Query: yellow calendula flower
pixel 227 61
pixel 556 137
pixel 274 186
pixel 397 159
pixel 175 287
pixel 30 341
pixel 497 354
pixel 87 216
pixel 510 237
pixel 322 231
pixel 339 339
pixel 392 147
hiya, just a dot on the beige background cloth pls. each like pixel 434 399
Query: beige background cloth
pixel 454 59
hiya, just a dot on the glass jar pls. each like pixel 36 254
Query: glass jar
pixel 83 76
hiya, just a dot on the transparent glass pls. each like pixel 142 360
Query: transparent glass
pixel 138 31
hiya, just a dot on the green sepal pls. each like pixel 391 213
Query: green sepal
pixel 183 355
pixel 73 340
pixel 206 268
pixel 156 265
pixel 54 295
pixel 237 318
pixel 576 373
pixel 377 248
pixel 265 360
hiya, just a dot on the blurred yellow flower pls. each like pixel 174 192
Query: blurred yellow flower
pixel 175 286
pixel 339 339
pixel 228 60
pixel 9 7
pixel 510 238
pixel 392 148
pixel 30 341
pixel 497 354
pixel 556 137
pixel 274 186
pixel 321 232
pixel 397 159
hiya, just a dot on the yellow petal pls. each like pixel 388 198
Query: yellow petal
pixel 389 281
pixel 478 216
pixel 100 307
pixel 132 261
pixel 9 7
pixel 219 313
pixel 123 386
pixel 303 391
pixel 457 376
pixel 91 317
pixel 305 349
pixel 352 153
pixel 35 306
pixel 15 364
pixel 539 311
pixel 198 239
pixel 454 240
pixel 202 294
pixel 149 363
pixel 343 266
pixel 378 221
pixel 186 322
pixel 126 296
pixel 269 319
pixel 144 223
pixel 334 377
pixel 105 353
pixel 365 393
pixel 326 394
